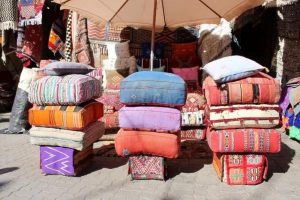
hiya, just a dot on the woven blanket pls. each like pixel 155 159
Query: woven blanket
pixel 120 63
pixel 292 119
pixel 31 44
pixel 57 38
pixel 195 101
pixel 78 140
pixel 241 169
pixel 30 12
pixel 111 120
pixel 284 100
pixel 8 14
pixel 260 88
pixel 294 133
pixel 192 133
pixel 63 161
pixel 214 41
pixel 144 142
pixel 111 33
pixel 66 117
pixel 146 167
pixel 82 49
pixel 244 140
pixel 243 116
pixel 64 90
pixel 150 118
pixel 294 96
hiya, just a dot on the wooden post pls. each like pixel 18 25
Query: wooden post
pixel 153 36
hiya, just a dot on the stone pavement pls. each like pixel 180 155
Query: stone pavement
pixel 106 177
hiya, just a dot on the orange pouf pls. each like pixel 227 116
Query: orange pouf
pixel 145 142
pixel 66 117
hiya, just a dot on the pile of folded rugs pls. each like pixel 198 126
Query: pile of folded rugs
pixel 118 66
pixel 242 115
pixel 150 122
pixel 64 117
pixel 192 116
pixel 291 108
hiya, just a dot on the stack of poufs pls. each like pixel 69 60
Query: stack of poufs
pixel 150 122
pixel 291 108
pixel 117 67
pixel 64 117
pixel 242 115
pixel 193 125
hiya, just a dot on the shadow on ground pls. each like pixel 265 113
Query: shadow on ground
pixel 104 157
pixel 193 156
pixel 4 120
pixel 280 162
pixel 8 169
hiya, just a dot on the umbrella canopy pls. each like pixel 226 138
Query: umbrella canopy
pixel 157 14
pixel 170 13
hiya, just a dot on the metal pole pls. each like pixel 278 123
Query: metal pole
pixel 153 36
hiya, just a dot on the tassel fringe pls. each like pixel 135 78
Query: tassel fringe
pixel 9 25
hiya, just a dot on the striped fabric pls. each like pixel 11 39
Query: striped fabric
pixel 258 89
pixel 66 117
pixel 78 140
pixel 243 116
pixel 64 90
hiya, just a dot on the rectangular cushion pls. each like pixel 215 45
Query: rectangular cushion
pixel 78 140
pixel 192 133
pixel 153 88
pixel 146 167
pixel 193 118
pixel 244 140
pixel 243 116
pixel 260 88
pixel 64 90
pixel 240 169
pixel 150 118
pixel 65 117
pixel 63 161
pixel 146 142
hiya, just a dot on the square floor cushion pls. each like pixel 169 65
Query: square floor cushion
pixel 129 142
pixel 144 167
pixel 150 118
pixel 153 88
pixel 63 161
pixel 65 117
pixel 64 90
pixel 241 169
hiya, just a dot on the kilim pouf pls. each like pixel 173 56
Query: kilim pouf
pixel 66 117
pixel 63 161
pixel 146 167
pixel 241 169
